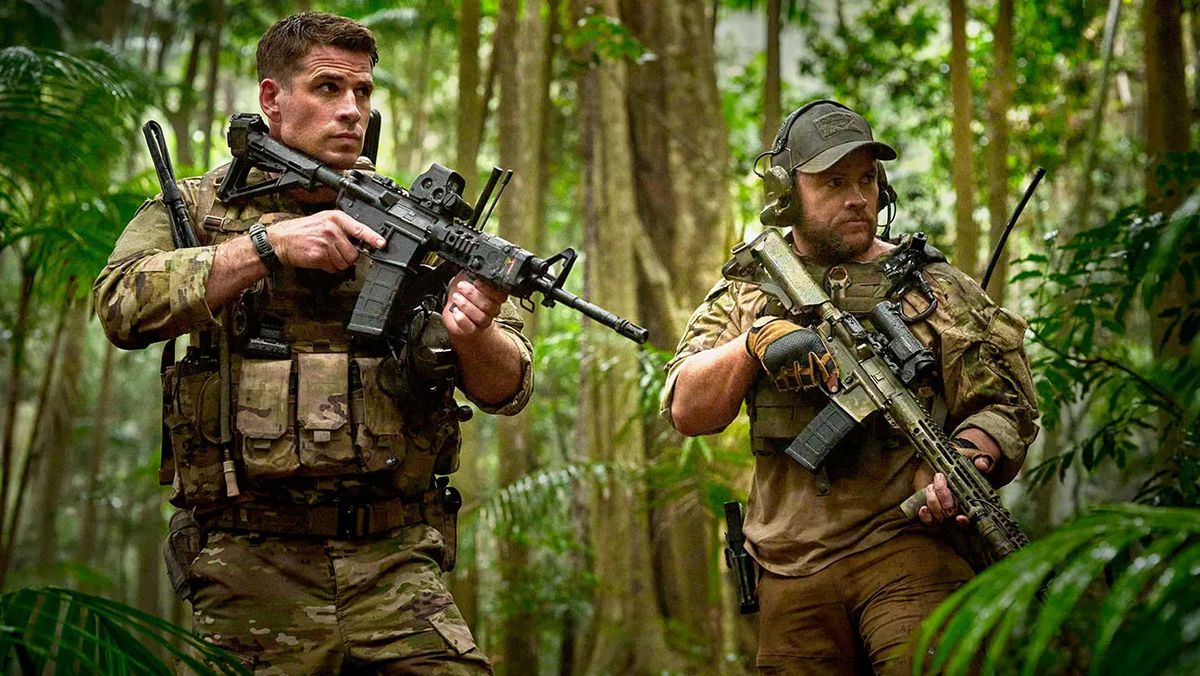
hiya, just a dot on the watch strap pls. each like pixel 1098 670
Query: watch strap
pixel 262 246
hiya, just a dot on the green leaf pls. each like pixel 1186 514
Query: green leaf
pixel 80 633
pixel 1153 624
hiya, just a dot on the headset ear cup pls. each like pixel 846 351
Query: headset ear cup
pixel 781 208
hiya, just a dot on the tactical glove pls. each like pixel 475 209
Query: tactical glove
pixel 794 357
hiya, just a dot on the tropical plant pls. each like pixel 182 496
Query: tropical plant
pixel 1115 591
pixel 55 196
pixel 52 630
pixel 1100 294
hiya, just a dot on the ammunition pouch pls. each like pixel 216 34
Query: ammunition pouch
pixel 193 421
pixel 185 539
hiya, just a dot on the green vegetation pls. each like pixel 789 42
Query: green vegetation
pixel 635 124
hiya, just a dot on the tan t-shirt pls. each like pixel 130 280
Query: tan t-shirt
pixel 797 523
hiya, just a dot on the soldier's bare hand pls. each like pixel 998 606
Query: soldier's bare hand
pixel 471 306
pixel 323 241
pixel 939 504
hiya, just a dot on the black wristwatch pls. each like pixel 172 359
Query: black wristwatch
pixel 262 246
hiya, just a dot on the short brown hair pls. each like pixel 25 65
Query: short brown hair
pixel 285 44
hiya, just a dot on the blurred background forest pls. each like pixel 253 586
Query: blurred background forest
pixel 590 540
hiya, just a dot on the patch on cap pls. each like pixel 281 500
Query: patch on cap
pixel 832 123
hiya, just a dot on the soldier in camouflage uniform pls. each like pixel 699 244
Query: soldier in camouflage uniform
pixel 324 533
pixel 845 576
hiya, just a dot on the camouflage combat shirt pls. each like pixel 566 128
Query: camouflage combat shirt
pixel 150 292
pixel 798 523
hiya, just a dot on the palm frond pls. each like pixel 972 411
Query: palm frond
pixel 55 630
pixel 1143 562
pixel 535 494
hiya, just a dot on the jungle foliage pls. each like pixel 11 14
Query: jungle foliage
pixel 633 127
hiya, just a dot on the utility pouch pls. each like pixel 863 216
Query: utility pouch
pixel 185 539
pixel 378 421
pixel 264 418
pixel 194 424
pixel 323 414
pixel 442 515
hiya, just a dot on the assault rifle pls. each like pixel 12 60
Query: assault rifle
pixel 876 372
pixel 430 218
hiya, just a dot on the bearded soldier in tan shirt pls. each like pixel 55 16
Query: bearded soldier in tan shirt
pixel 845 576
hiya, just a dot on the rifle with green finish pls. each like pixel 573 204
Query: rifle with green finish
pixel 877 368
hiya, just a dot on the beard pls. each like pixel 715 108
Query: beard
pixel 830 243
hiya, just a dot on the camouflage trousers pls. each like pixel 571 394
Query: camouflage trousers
pixel 297 605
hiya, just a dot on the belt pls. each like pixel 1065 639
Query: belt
pixel 343 520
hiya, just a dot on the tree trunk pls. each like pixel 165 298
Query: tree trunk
pixel 54 441
pixel 962 168
pixel 113 20
pixel 148 542
pixel 1167 133
pixel 210 94
pixel 467 122
pixel 681 160
pixel 520 139
pixel 627 633
pixel 771 104
pixel 1166 94
pixel 33 446
pixel 16 370
pixel 181 117
pixel 464 582
pixel 89 523
pixel 999 99
pixel 166 36
pixel 418 105
pixel 1083 205
pixel 1194 29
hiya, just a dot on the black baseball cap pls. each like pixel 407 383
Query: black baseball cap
pixel 820 134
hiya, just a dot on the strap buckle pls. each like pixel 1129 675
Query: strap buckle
pixel 353 521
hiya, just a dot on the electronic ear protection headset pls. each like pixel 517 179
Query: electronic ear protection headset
pixel 782 207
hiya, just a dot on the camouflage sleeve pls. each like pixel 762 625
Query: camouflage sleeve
pixel 716 322
pixel 987 383
pixel 511 323
pixel 149 291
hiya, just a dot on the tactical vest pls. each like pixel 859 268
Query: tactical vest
pixel 309 421
pixel 777 417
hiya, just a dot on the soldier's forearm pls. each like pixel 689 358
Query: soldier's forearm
pixel 711 386
pixel 491 364
pixel 236 266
